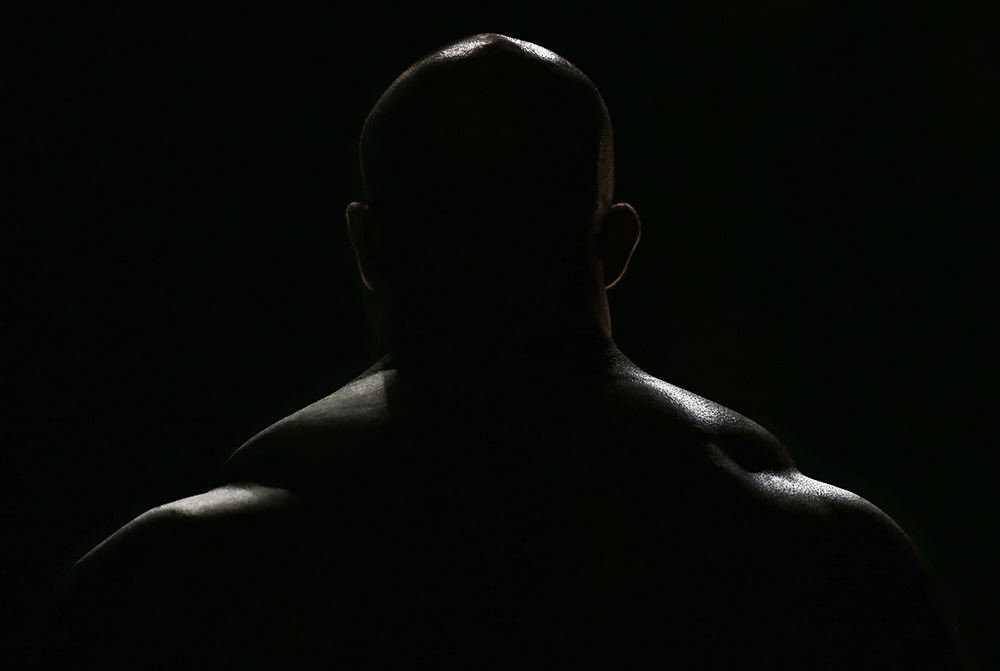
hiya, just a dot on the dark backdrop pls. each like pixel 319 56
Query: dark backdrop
pixel 816 187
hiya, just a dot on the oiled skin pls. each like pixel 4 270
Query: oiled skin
pixel 587 518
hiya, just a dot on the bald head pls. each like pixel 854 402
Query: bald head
pixel 487 167
pixel 493 126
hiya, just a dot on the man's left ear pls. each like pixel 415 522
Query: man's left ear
pixel 616 241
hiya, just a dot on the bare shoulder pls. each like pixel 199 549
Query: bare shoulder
pixel 847 570
pixel 743 451
pixel 710 425
pixel 319 435
pixel 831 506
pixel 754 462
pixel 185 579
pixel 861 578
pixel 208 529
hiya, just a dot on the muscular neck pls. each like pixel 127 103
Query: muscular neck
pixel 520 343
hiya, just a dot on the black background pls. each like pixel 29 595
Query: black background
pixel 816 183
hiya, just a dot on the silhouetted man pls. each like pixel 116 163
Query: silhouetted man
pixel 505 488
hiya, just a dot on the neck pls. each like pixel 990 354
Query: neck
pixel 519 345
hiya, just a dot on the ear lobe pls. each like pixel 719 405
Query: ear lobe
pixel 361 232
pixel 619 238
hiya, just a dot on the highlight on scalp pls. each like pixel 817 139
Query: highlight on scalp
pixel 483 138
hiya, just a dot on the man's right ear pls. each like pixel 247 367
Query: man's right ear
pixel 620 234
pixel 361 230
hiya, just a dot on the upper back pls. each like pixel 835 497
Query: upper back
pixel 587 508
pixel 596 517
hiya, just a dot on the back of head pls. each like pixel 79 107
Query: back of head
pixel 484 165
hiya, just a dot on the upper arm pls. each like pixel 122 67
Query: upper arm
pixel 867 594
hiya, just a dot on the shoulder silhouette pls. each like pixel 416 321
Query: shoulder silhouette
pixel 505 488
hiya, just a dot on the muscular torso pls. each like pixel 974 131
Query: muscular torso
pixel 606 518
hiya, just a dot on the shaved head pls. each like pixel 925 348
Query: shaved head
pixel 484 138
pixel 487 168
